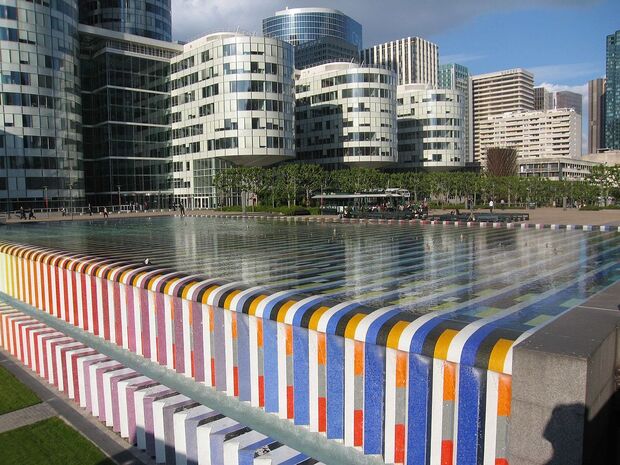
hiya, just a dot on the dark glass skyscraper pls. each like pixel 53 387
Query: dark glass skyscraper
pixel 325 33
pixel 612 94
pixel 146 18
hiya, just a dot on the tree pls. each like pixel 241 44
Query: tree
pixel 501 161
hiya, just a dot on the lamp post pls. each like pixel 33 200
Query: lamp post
pixel 45 200
pixel 71 199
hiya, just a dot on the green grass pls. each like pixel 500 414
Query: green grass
pixel 49 442
pixel 13 394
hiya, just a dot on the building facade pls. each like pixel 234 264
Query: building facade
pixel 345 115
pixel 568 99
pixel 596 115
pixel 612 94
pixel 321 34
pixel 152 19
pixel 456 77
pixel 126 110
pixel 414 59
pixel 232 104
pixel 555 169
pixel 537 134
pixel 543 99
pixel 41 154
pixel 495 94
pixel 431 127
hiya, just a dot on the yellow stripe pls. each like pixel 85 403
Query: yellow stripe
pixel 498 355
pixel 169 284
pixel 282 312
pixel 208 292
pixel 186 289
pixel 314 319
pixel 229 299
pixel 443 343
pixel 395 333
pixel 254 304
pixel 349 331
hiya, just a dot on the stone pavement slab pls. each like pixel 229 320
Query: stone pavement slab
pixel 25 416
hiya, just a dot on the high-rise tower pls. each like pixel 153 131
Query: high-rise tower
pixel 612 94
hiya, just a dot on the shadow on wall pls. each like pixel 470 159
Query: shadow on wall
pixel 568 427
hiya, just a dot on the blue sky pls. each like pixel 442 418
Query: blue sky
pixel 561 45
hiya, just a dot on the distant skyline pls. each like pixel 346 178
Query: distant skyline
pixel 561 41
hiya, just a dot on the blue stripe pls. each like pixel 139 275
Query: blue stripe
pixel 246 455
pixel 419 401
pixel 471 404
pixel 375 326
pixel 335 386
pixel 336 317
pixel 243 356
pixel 374 370
pixel 295 460
pixel 301 386
pixel 270 364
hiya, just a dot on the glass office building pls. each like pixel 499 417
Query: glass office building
pixel 612 94
pixel 126 100
pixel 150 18
pixel 40 105
pixel 321 34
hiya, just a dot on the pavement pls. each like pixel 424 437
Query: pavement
pixel 545 215
pixel 55 403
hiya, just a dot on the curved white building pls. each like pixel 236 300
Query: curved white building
pixel 431 127
pixel 232 104
pixel 346 115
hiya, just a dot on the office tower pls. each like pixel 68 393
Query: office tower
pixel 40 107
pixel 232 104
pixel 612 94
pixel 567 99
pixel 431 127
pixel 596 115
pixel 543 99
pixel 414 59
pixel 494 94
pixel 456 77
pixel 126 117
pixel 345 115
pixel 322 34
pixel 148 19
pixel 537 134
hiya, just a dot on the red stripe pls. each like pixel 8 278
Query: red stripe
pixel 76 319
pixel 501 462
pixel 84 302
pixel 261 391
pixel 358 428
pixel 399 443
pixel 212 371
pixel 447 451
pixel 93 293
pixel 290 402
pixel 236 381
pixel 322 414
pixel 118 324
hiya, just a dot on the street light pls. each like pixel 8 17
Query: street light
pixel 71 199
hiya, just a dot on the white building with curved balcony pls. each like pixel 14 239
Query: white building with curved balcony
pixel 345 115
pixel 232 104
pixel 431 127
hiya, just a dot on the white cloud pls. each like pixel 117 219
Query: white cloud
pixel 461 58
pixel 564 72
pixel 385 20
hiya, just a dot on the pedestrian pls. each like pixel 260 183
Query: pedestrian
pixel 182 207
pixel 31 215
pixel 90 210
pixel 63 212
pixel 503 205
pixel 491 205
pixel 105 212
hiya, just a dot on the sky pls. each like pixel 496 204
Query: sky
pixel 561 41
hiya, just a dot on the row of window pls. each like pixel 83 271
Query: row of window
pixel 31 58
pixel 34 163
pixel 26 79
pixel 27 100
pixel 194 130
pixel 8 12
pixel 356 78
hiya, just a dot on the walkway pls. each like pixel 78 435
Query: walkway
pixel 55 404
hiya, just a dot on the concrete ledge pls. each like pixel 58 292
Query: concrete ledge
pixel 563 387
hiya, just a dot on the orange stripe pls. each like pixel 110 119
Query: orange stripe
pixel 349 331
pixel 395 333
pixel 443 344
pixel 322 349
pixel 289 340
pixel 233 324
pixel 401 369
pixel 449 381
pixel 254 304
pixel 205 296
pixel 259 332
pixel 229 299
pixel 314 319
pixel 358 358
pixel 504 394
pixel 498 355
pixel 284 309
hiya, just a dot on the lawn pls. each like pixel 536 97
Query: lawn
pixel 49 442
pixel 13 394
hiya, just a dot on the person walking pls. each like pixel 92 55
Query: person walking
pixel 22 213
pixel 491 205
pixel 90 210
pixel 182 209
pixel 31 215
pixel 105 212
